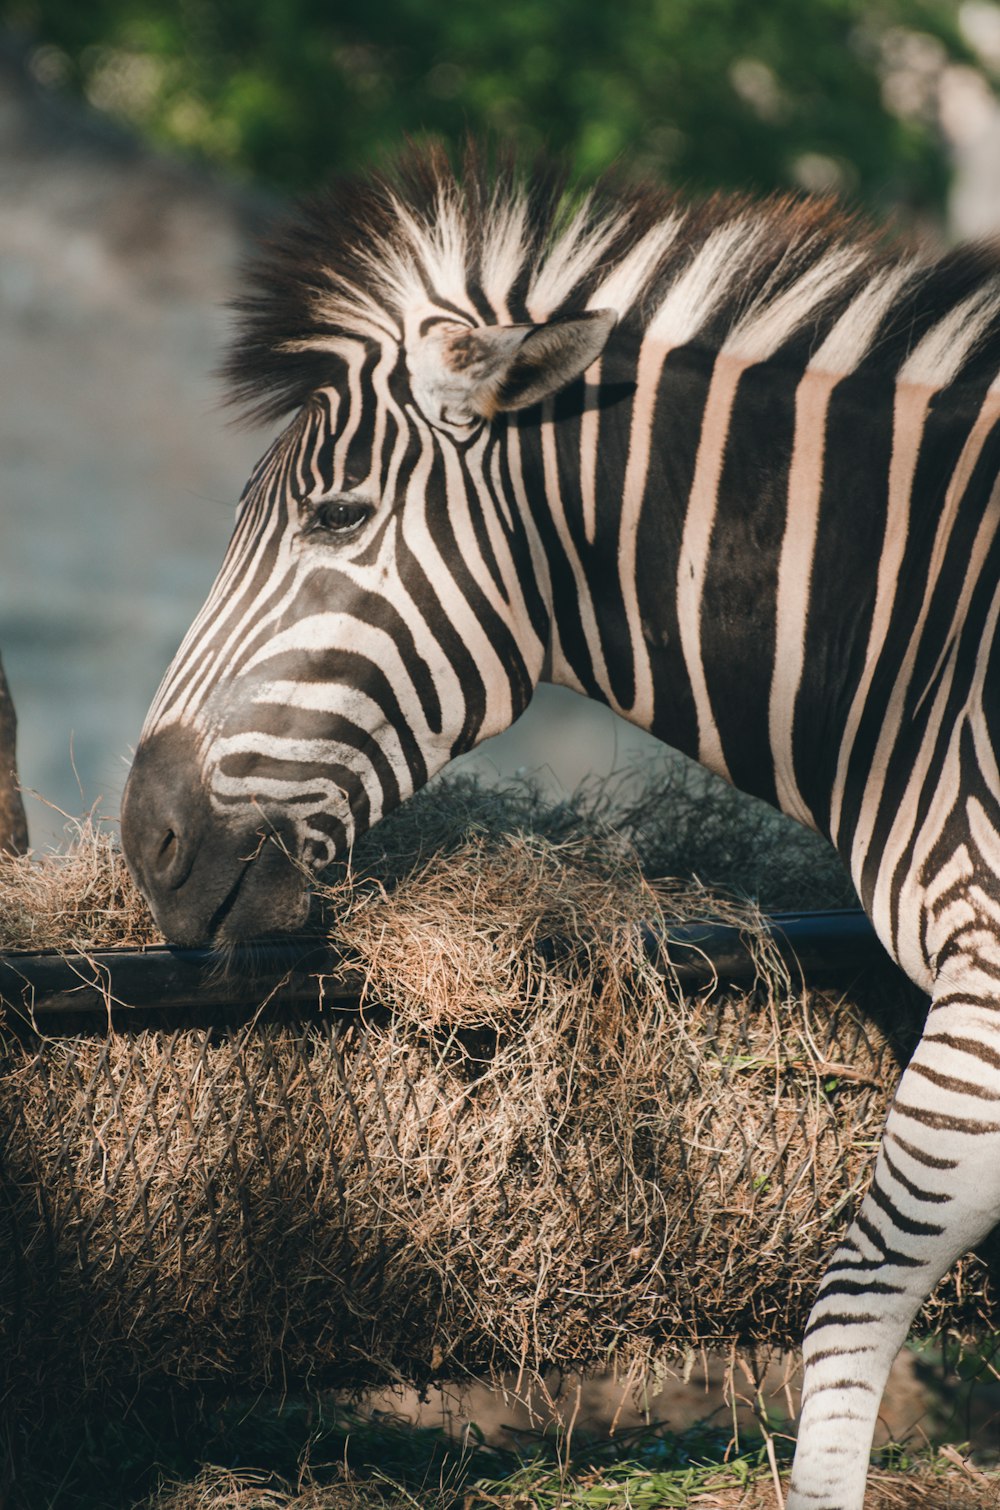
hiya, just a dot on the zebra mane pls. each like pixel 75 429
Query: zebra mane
pixel 496 242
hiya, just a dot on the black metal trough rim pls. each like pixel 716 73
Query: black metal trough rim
pixel 835 945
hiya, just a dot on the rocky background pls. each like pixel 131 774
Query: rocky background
pixel 117 473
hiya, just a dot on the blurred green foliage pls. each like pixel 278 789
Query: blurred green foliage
pixel 762 93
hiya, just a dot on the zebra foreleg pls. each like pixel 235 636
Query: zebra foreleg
pixel 934 1194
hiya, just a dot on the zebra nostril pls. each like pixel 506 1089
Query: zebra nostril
pixel 168 859
pixel 316 854
pixel 165 817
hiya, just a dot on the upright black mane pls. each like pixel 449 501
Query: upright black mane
pixel 476 238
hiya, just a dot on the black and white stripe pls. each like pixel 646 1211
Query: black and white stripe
pixel 758 517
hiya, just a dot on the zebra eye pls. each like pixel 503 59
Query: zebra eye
pixel 334 516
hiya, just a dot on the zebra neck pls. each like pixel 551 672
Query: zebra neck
pixel 737 553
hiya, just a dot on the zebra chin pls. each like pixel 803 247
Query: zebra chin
pixel 208 880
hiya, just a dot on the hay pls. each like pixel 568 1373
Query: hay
pixel 77 900
pixel 219 1489
pixel 674 823
pixel 930 1488
pixel 526 1149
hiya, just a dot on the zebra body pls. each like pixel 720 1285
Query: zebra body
pixel 731 471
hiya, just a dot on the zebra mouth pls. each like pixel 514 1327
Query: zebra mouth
pixel 222 912
pixel 271 894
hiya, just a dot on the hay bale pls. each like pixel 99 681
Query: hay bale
pixel 527 1148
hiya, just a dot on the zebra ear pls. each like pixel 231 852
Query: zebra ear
pixel 459 373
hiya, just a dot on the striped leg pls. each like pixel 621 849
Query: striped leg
pixel 934 1194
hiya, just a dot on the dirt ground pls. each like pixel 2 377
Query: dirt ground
pixel 921 1406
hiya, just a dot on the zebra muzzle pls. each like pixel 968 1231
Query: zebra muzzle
pixel 207 877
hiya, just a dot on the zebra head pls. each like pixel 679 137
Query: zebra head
pixel 381 607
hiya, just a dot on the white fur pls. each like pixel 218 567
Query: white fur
pixel 699 289
pixel 935 361
pixel 770 321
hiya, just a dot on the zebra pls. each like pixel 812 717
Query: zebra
pixel 729 468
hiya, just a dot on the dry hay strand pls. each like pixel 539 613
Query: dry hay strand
pixel 527 1148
